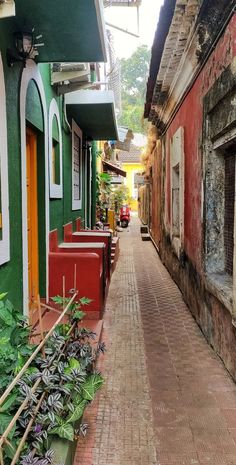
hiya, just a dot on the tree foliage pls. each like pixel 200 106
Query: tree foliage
pixel 134 75
pixel 120 196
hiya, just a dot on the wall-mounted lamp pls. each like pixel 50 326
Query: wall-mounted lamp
pixel 24 47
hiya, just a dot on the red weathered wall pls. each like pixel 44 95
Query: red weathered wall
pixel 190 117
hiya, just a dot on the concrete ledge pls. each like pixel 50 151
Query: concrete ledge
pixel 221 286
pixel 64 451
pixel 145 237
pixel 143 229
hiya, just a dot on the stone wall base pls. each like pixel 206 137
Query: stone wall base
pixel 211 315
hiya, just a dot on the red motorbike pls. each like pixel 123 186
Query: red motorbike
pixel 124 216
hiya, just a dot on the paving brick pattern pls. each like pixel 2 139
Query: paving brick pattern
pixel 168 399
pixel 193 397
pixel 121 418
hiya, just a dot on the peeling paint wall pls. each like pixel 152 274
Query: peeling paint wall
pixel 208 116
pixel 190 116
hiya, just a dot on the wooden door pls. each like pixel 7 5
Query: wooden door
pixel 32 216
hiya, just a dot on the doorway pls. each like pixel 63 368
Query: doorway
pixel 32 216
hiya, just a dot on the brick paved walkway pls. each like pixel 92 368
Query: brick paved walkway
pixel 168 399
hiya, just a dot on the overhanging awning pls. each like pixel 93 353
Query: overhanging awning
pixel 94 112
pixel 115 169
pixel 71 31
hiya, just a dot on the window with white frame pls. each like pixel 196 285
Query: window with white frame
pixel 220 210
pixel 218 204
pixel 175 201
pixel 55 152
pixel 76 167
pixel 177 189
pixel 4 199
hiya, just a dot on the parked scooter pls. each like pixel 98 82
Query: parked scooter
pixel 124 216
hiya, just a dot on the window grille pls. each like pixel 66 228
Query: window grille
pixel 229 212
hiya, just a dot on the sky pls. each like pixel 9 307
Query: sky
pixel 126 18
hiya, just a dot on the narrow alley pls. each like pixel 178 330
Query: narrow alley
pixel 118 232
pixel 167 398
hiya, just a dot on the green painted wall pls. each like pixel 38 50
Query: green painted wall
pixel 60 209
pixel 11 273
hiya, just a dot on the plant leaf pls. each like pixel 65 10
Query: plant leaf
pixel 78 315
pixel 4 422
pixel 85 300
pixel 78 412
pixel 91 385
pixel 8 403
pixel 73 363
pixel 10 449
pixel 97 380
pixel 87 390
pixel 3 295
pixel 6 316
pixel 65 431
pixel 9 306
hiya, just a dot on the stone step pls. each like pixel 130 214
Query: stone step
pixel 145 237
pixel 143 229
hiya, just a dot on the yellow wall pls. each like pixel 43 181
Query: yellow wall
pixel 130 169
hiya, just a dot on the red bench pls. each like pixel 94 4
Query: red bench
pixel 89 236
pixel 90 282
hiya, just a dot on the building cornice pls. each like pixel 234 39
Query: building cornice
pixel 186 49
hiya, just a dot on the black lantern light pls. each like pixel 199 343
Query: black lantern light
pixel 24 43
pixel 23 48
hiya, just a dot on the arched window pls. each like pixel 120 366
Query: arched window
pixel 55 152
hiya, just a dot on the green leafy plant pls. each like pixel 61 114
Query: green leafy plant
pixel 14 342
pixel 75 313
pixel 134 74
pixel 120 196
pixel 103 193
pixel 67 377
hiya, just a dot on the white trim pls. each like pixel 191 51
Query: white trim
pixel 102 28
pixel 81 245
pixel 90 97
pixel 5 241
pixel 76 204
pixel 90 188
pixel 56 190
pixel 91 233
pixel 177 157
pixel 30 72
pixel 84 152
